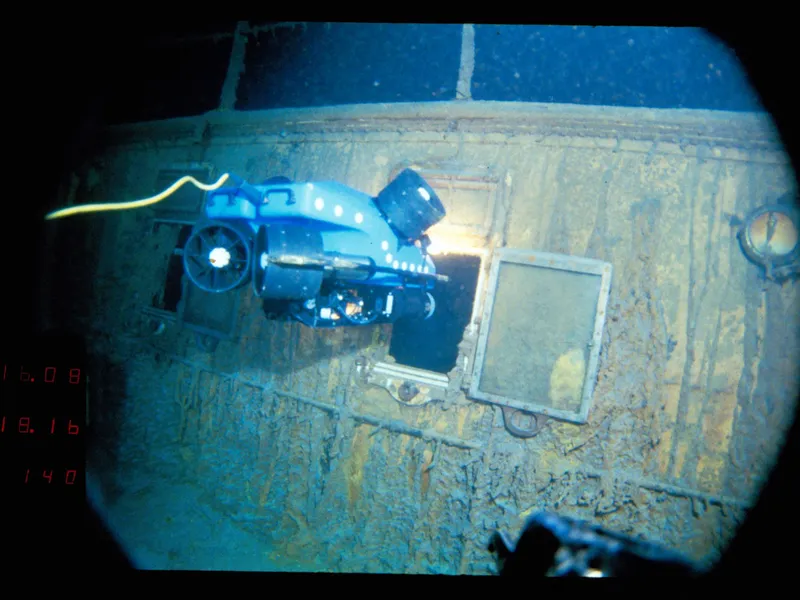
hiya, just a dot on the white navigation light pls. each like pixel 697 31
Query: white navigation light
pixel 219 258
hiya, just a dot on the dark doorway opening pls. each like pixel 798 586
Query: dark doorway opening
pixel 433 344
pixel 173 284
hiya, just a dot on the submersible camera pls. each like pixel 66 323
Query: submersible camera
pixel 320 253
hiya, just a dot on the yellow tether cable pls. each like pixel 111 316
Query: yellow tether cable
pixel 88 208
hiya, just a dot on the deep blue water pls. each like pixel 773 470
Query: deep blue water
pixel 323 64
pixel 615 66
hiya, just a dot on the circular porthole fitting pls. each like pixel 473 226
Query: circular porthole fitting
pixel 770 238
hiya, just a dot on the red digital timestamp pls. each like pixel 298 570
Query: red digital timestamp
pixel 49 375
pixel 23 425
pixel 51 476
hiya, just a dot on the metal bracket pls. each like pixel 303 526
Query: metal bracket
pixel 523 424
pixel 407 385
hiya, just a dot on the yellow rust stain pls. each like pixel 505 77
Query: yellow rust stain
pixel 672 394
pixel 680 457
pixel 354 468
pixel 307 341
pixel 719 415
pixel 427 457
pixel 564 434
pixel 693 408
pixel 376 334
pixel 761 325
pixel 442 423
pixel 697 369
pixel 718 422
pixel 664 451
pixel 710 470
pixel 403 450
pixel 545 182
pixel 672 277
pixel 463 412
pixel 334 338
pixel 730 348
pixel 378 402
pixel 412 470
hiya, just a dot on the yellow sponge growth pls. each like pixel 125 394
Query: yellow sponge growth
pixel 566 380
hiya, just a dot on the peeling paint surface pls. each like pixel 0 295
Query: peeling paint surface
pixel 275 441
